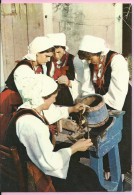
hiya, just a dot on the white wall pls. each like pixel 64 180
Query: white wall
pixel 118 27
pixel 76 20
pixel 2 83
pixel 47 17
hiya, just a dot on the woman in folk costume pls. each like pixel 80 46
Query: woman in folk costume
pixel 33 141
pixel 110 77
pixel 39 51
pixel 61 69
pixel 21 81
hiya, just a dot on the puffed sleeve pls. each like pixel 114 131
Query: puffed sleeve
pixel 118 88
pixel 24 78
pixel 36 138
pixel 82 85
pixel 55 113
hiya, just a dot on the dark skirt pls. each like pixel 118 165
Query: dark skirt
pixel 125 146
pixel 9 102
pixel 80 178
pixel 64 96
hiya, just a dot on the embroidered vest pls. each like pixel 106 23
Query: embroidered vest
pixel 39 181
pixel 67 69
pixel 11 137
pixel 107 74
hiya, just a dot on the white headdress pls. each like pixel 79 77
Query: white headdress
pixel 39 44
pixel 92 44
pixel 42 86
pixel 58 39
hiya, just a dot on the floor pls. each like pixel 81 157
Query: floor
pixel 127 183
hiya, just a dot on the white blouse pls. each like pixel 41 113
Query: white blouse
pixel 35 137
pixel 82 85
pixel 118 88
pixel 24 78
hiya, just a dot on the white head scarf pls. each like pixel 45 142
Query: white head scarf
pixel 42 86
pixel 93 44
pixel 58 39
pixel 39 44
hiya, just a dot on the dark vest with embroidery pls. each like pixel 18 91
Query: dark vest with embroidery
pixel 10 80
pixel 64 96
pixel 13 140
pixel 70 73
pixel 107 75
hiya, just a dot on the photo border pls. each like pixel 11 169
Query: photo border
pixel 83 1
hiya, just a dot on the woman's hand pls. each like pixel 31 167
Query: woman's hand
pixel 63 80
pixel 78 107
pixel 81 145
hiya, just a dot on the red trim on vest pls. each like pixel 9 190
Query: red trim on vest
pixel 62 68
